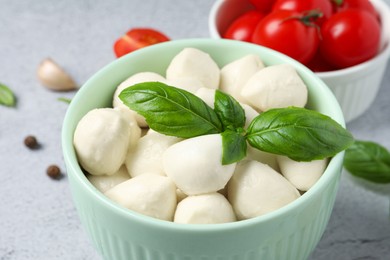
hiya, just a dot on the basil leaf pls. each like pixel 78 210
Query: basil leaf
pixel 64 99
pixel 301 134
pixel 368 160
pixel 7 98
pixel 233 147
pixel 228 110
pixel 171 111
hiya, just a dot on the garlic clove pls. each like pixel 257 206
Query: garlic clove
pixel 54 77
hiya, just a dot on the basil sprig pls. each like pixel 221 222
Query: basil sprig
pixel 7 98
pixel 368 160
pixel 298 133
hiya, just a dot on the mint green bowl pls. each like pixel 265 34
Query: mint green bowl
pixel 291 232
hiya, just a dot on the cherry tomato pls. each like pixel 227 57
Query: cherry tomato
pixel 324 6
pixel 137 38
pixel 349 38
pixel 242 28
pixel 357 4
pixel 263 6
pixel 289 33
pixel 318 64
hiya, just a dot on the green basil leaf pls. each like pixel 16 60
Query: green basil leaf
pixel 368 160
pixel 64 99
pixel 7 98
pixel 171 111
pixel 301 134
pixel 233 147
pixel 229 110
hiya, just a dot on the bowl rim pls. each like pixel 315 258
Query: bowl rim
pixel 381 7
pixel 75 171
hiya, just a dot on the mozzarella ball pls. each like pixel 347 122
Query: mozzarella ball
pixel 189 84
pixel 303 175
pixel 235 74
pixel 194 63
pixel 250 114
pixel 256 189
pixel 195 165
pixel 223 192
pixel 133 125
pixel 207 95
pixel 212 208
pixel 105 182
pixel 146 156
pixel 180 195
pixel 148 194
pixel 101 140
pixel 275 86
pixel 263 157
pixel 132 80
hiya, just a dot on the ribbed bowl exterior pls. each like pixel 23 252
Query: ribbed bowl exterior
pixel 355 97
pixel 292 237
pixel 291 232
pixel 356 91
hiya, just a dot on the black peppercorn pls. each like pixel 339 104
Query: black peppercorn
pixel 31 142
pixel 54 172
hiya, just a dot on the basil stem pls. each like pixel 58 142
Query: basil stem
pixel 301 134
pixel 7 98
pixel 171 111
pixel 368 160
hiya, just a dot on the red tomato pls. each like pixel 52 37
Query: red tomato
pixel 285 32
pixel 263 6
pixel 357 4
pixel 349 38
pixel 318 64
pixel 242 28
pixel 324 6
pixel 137 38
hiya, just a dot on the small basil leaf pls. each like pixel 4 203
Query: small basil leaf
pixel 301 134
pixel 368 160
pixel 233 147
pixel 64 99
pixel 228 110
pixel 171 111
pixel 7 98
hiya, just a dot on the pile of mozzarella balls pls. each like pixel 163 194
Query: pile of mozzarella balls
pixel 183 180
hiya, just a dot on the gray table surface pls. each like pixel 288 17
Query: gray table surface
pixel 37 217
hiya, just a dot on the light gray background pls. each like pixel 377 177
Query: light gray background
pixel 37 217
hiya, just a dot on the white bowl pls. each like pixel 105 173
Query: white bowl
pixel 355 87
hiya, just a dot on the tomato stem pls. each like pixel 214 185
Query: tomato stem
pixel 308 18
pixel 338 2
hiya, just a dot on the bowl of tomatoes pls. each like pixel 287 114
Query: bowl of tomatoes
pixel 345 42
